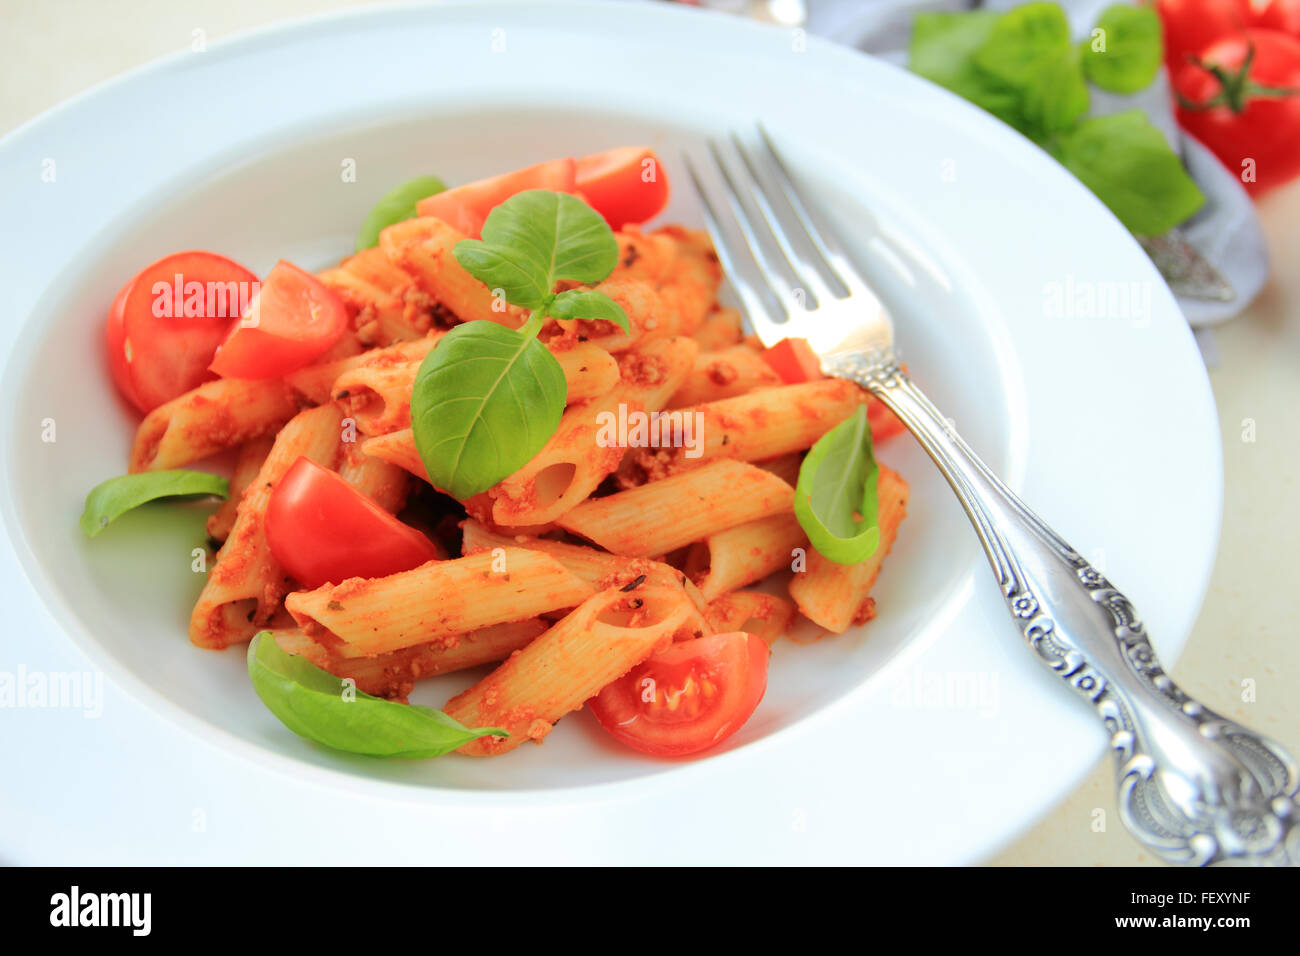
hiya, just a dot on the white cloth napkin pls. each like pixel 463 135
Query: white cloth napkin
pixel 1226 231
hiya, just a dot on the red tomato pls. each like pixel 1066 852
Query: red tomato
pixel 322 530
pixel 794 360
pixel 466 207
pixel 292 320
pixel 1249 116
pixel 157 348
pixel 625 185
pixel 884 423
pixel 1281 15
pixel 687 698
pixel 1192 25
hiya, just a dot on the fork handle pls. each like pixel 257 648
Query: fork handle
pixel 1194 786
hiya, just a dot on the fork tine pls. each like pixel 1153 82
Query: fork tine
pixel 807 271
pixel 750 290
pixel 821 236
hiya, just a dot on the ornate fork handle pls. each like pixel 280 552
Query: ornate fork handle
pixel 1194 786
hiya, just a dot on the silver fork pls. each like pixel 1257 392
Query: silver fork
pixel 1194 786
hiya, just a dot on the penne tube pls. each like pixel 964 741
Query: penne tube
pixel 720 329
pixel 208 419
pixel 595 644
pixel 834 595
pixel 664 515
pixel 316 382
pixel 247 465
pixel 383 300
pixel 384 483
pixel 584 448
pixel 397 448
pixel 744 554
pixel 589 370
pixel 764 615
pixel 246 584
pixel 757 426
pixel 367 616
pixel 598 568
pixel 725 374
pixel 394 674
pixel 423 247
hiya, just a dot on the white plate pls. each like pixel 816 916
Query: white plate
pixel 930 736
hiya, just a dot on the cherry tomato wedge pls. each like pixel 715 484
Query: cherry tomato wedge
pixel 794 360
pixel 466 207
pixel 167 321
pixel 625 185
pixel 324 531
pixel 292 320
pixel 688 697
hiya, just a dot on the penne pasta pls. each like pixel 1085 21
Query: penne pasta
pixel 383 300
pixel 366 616
pixel 247 465
pixel 397 448
pixel 833 595
pixel 749 552
pixel 384 483
pixel 246 584
pixel 215 416
pixel 423 247
pixel 394 674
pixel 597 643
pixel 724 374
pixel 316 382
pixel 763 615
pixel 720 329
pixel 663 515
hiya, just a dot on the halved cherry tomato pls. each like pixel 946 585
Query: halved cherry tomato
pixel 466 207
pixel 158 348
pixel 794 360
pixel 292 320
pixel 322 530
pixel 688 697
pixel 1241 98
pixel 1192 25
pixel 625 185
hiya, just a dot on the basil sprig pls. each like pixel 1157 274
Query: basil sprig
pixel 1022 67
pixel 113 498
pixel 488 398
pixel 836 499
pixel 315 704
pixel 396 205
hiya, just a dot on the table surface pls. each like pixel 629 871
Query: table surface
pixel 1242 657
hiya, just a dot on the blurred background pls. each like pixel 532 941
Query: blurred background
pixel 1243 655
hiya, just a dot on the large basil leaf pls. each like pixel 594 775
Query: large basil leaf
pixel 836 499
pixel 113 498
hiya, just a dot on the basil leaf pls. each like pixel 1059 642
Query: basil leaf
pixel 588 304
pixel 113 498
pixel 396 205
pixel 311 703
pixel 1029 50
pixel 535 239
pixel 1132 49
pixel 1128 164
pixel 485 401
pixel 943 49
pixel 836 500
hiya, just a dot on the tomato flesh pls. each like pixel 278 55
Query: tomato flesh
pixel 323 531
pixel 292 320
pixel 166 323
pixel 625 185
pixel 1189 26
pixel 794 360
pixel 466 207
pixel 687 698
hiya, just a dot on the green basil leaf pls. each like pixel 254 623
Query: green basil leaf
pixel 836 499
pixel 588 304
pixel 1128 164
pixel 1029 50
pixel 535 239
pixel 112 498
pixel 311 702
pixel 943 49
pixel 1125 55
pixel 485 401
pixel 397 204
